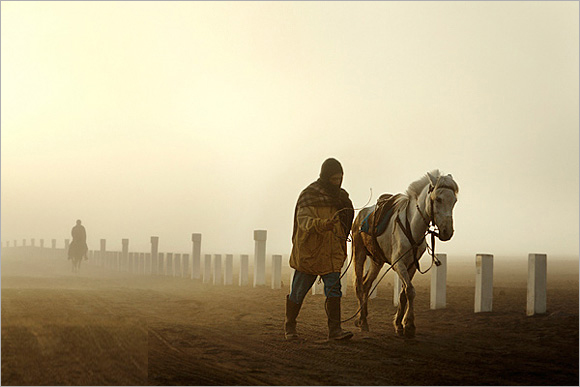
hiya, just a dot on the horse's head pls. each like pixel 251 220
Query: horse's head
pixel 441 200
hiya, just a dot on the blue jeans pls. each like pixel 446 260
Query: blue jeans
pixel 302 282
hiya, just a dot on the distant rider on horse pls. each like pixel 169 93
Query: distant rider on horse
pixel 78 246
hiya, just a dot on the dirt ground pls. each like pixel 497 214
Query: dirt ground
pixel 106 328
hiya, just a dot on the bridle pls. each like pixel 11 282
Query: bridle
pixel 431 227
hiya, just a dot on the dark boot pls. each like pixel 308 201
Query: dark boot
pixel 335 331
pixel 292 310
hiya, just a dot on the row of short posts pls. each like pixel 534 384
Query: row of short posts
pixel 536 302
pixel 215 271
pixel 175 264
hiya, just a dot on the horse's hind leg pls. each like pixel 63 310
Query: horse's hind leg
pixel 359 257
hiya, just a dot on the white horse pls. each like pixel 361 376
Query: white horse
pixel 429 200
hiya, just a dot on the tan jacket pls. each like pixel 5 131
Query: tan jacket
pixel 315 251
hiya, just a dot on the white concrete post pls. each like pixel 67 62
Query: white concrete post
pixel 185 272
pixel 537 281
pixel 260 257
pixel 244 265
pixel 229 270
pixel 169 267
pixel 177 265
pixel 217 269
pixel 154 254
pixel 141 263
pixel 32 242
pixel 483 283
pixel 53 243
pixel 125 254
pixel 147 268
pixel 318 287
pixel 276 271
pixel 207 269
pixel 397 288
pixel 103 252
pixel 373 293
pixel 196 256
pixel 439 283
pixel 160 264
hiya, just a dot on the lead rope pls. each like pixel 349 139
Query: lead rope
pixel 370 291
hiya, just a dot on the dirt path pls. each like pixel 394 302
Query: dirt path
pixel 95 329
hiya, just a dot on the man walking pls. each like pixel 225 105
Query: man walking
pixel 322 220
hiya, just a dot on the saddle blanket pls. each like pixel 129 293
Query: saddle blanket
pixel 384 210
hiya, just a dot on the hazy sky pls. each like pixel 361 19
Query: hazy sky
pixel 168 118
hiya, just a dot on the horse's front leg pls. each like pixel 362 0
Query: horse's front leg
pixel 398 320
pixel 405 317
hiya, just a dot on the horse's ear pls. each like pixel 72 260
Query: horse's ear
pixel 449 175
pixel 432 180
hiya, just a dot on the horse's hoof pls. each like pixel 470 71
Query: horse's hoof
pixel 364 326
pixel 400 332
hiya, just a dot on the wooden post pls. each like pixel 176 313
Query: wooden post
pixel 196 256
pixel 147 269
pixel 154 254
pixel 125 254
pixel 207 269
pixel 483 283
pixel 276 271
pixel 537 281
pixel 217 269
pixel 439 283
pixel 177 265
pixel 185 272
pixel 103 252
pixel 229 270
pixel 141 263
pixel 260 257
pixel 160 264
pixel 169 267
pixel 244 270
pixel 318 287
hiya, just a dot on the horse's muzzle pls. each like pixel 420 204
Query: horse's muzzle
pixel 445 235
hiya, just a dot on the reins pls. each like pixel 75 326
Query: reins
pixel 414 246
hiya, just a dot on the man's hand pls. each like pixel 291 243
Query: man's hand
pixel 329 224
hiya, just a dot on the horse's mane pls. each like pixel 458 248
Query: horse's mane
pixel 416 187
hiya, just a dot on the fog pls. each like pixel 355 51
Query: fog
pixel 166 119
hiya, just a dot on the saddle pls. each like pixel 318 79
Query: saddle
pixel 375 224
